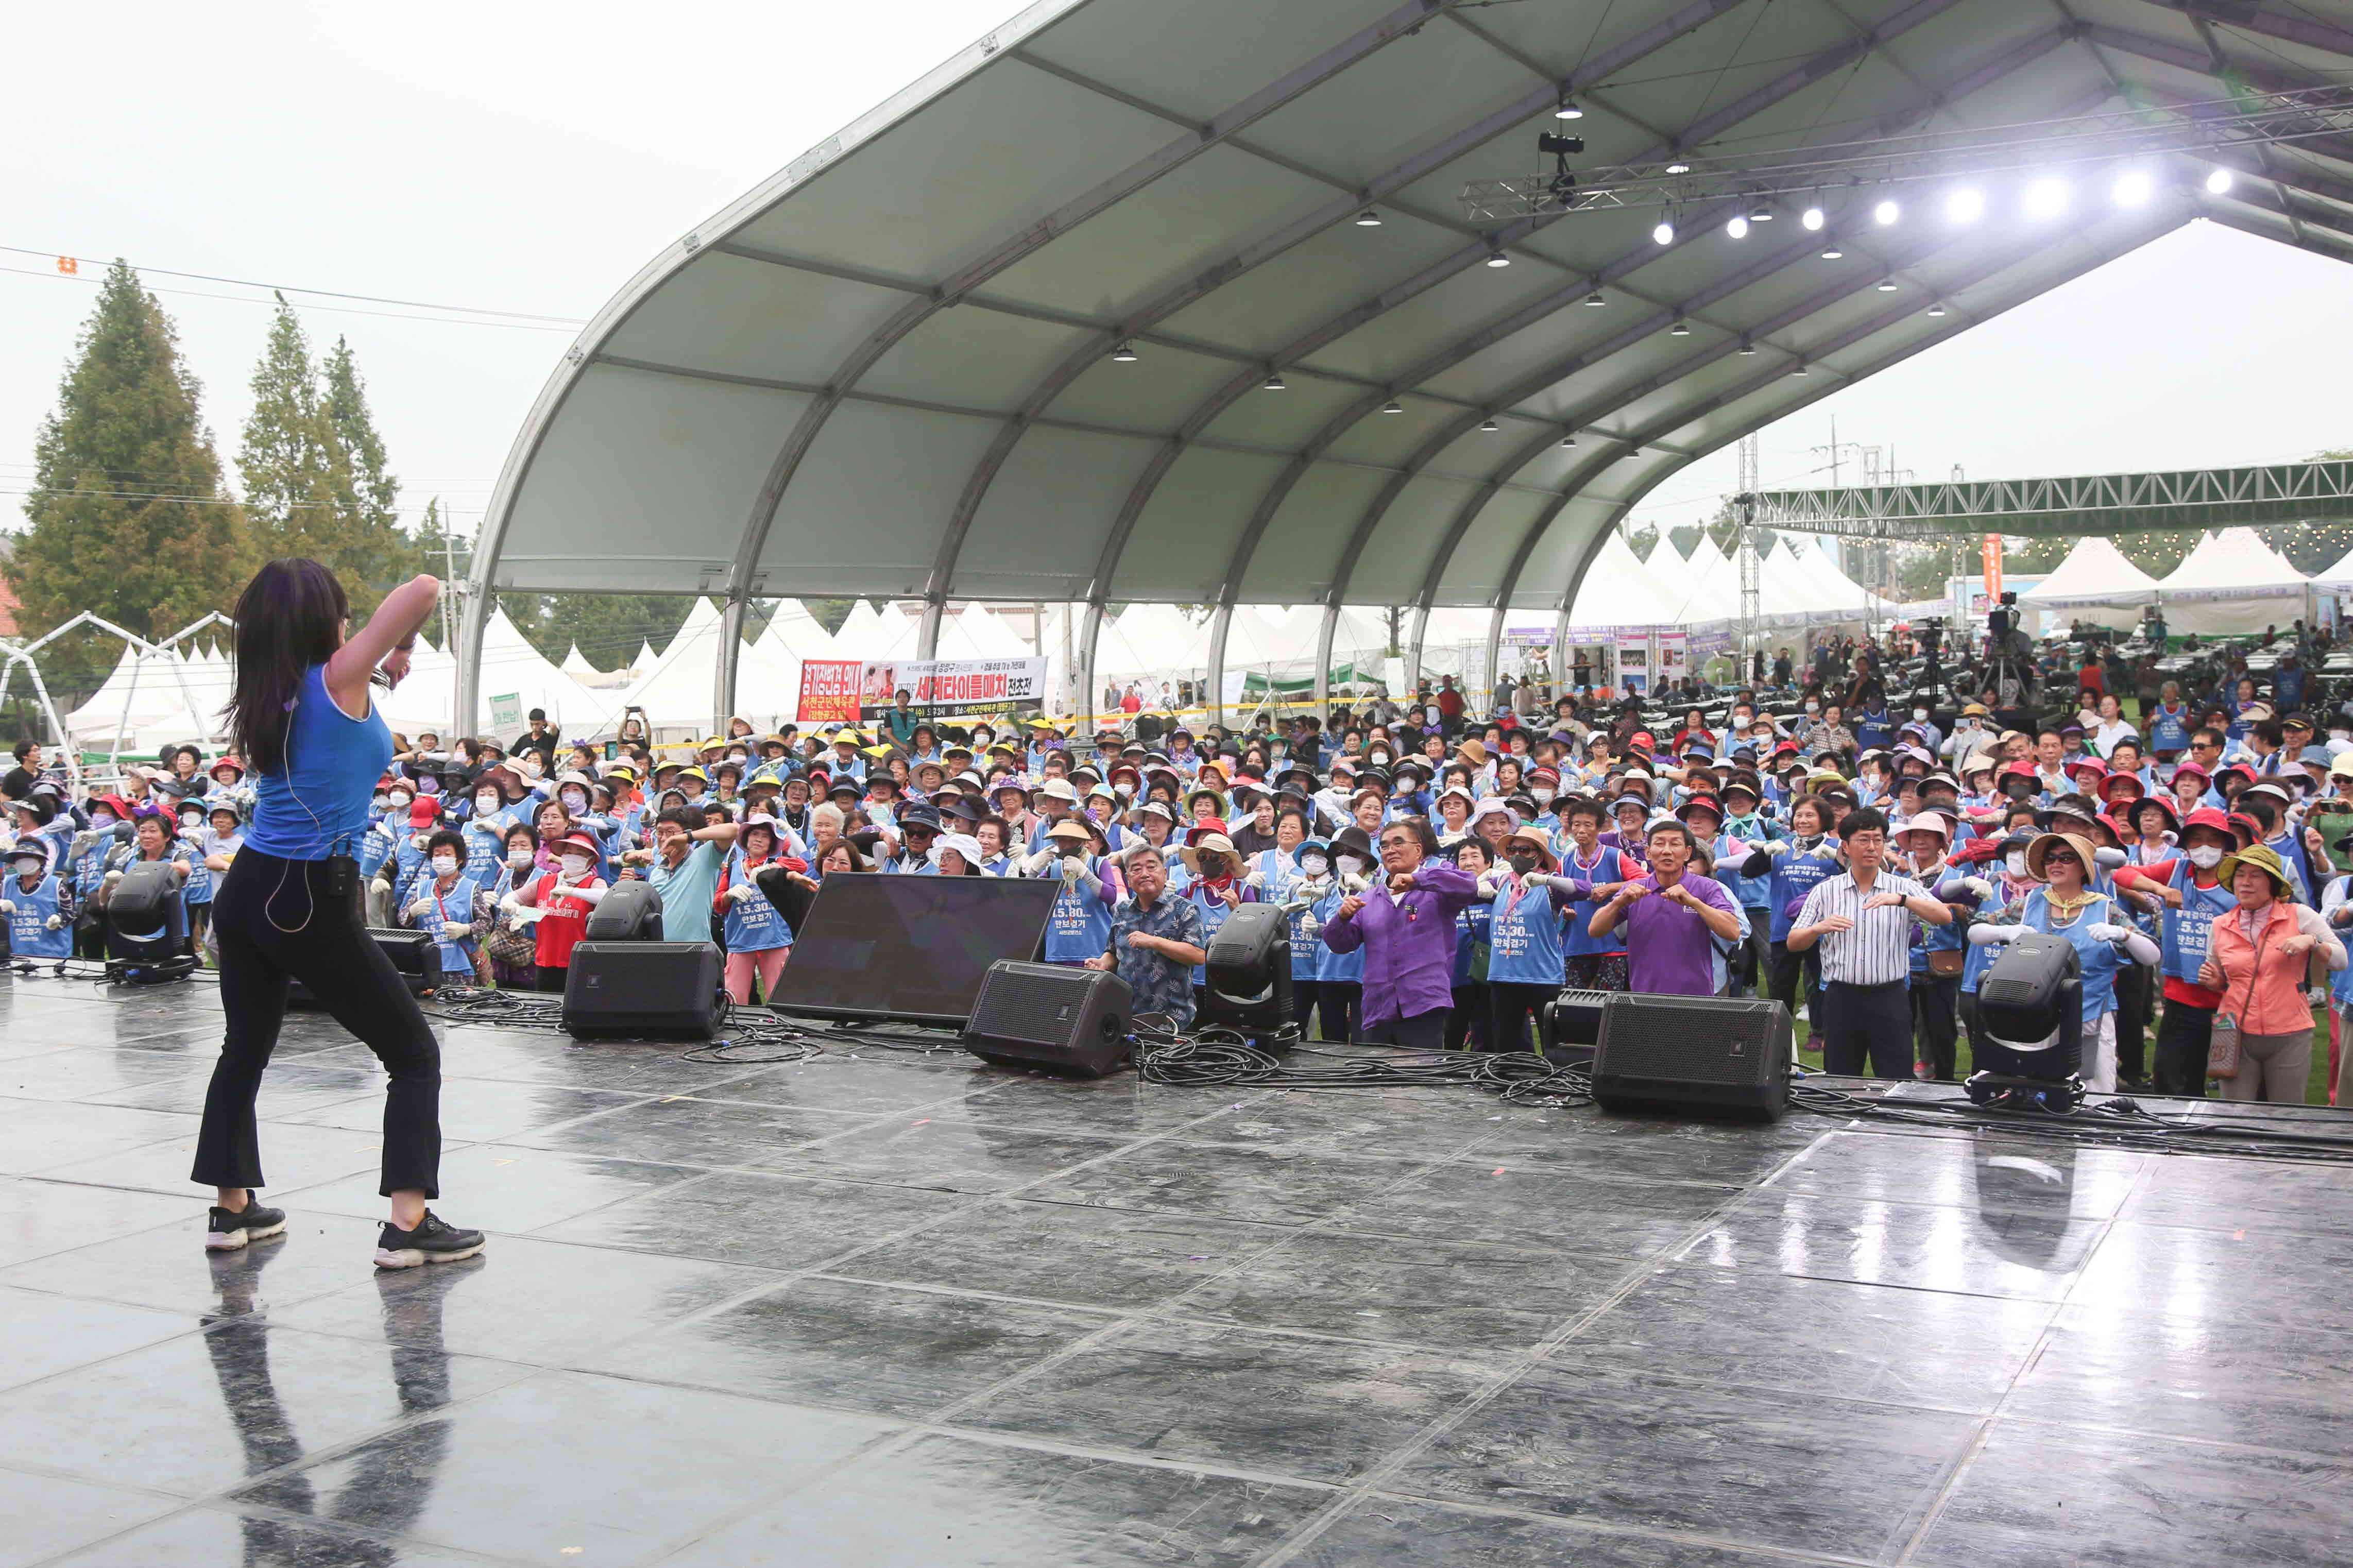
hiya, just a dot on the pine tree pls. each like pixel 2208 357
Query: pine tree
pixel 314 468
pixel 128 515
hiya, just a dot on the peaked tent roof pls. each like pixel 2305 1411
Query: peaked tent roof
pixel 2094 583
pixel 2232 565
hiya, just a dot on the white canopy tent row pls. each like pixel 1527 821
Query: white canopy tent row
pixel 2232 584
pixel 2095 583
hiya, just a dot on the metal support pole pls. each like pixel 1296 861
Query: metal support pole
pixel 1324 658
pixel 1413 652
pixel 1214 700
pixel 927 634
pixel 731 662
pixel 1560 652
pixel 473 614
pixel 1084 672
pixel 1486 697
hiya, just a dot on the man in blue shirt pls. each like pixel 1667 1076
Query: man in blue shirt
pixel 683 866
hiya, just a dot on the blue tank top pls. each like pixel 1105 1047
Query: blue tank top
pixel 322 798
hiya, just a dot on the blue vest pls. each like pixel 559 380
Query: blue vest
pixel 2100 959
pixel 1080 926
pixel 1608 866
pixel 1523 938
pixel 456 904
pixel 1473 940
pixel 2190 929
pixel 1928 938
pixel 755 925
pixel 2168 728
pixel 29 935
pixel 1330 965
pixel 1796 873
pixel 1214 914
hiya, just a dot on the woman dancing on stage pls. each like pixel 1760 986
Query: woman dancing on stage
pixel 290 905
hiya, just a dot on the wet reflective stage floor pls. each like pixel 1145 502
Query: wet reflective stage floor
pixel 883 1310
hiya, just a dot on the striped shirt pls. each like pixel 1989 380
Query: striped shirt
pixel 1878 949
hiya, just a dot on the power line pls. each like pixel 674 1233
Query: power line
pixel 336 310
pixel 213 500
pixel 324 293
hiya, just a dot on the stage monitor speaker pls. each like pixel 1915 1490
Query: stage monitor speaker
pixel 413 952
pixel 2030 1010
pixel 141 906
pixel 1710 1054
pixel 1248 964
pixel 643 990
pixel 1051 1015
pixel 1572 1019
pixel 630 911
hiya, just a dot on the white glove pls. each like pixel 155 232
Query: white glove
pixel 1352 883
pixel 420 908
pixel 2106 932
pixel 55 922
pixel 113 877
pixel 8 906
pixel 87 837
pixel 1978 885
pixel 1310 928
pixel 456 931
pixel 1073 869
pixel 2107 859
pixel 191 833
pixel 1257 879
pixel 742 893
pixel 1488 886
pixel 1037 863
pixel 1992 935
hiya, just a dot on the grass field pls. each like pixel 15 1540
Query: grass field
pixel 2315 1089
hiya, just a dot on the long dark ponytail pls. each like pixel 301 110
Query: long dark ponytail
pixel 289 617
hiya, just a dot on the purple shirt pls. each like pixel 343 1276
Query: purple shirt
pixel 1669 949
pixel 1409 951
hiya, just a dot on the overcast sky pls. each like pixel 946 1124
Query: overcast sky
pixel 476 156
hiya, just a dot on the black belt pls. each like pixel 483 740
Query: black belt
pixel 1860 986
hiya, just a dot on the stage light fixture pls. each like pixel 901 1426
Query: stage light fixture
pixel 1368 218
pixel 1747 347
pixel 1392 406
pixel 2132 189
pixel 2046 198
pixel 1594 301
pixel 1759 213
pixel 1800 369
pixel 1885 214
pixel 1664 233
pixel 1124 354
pixel 1888 285
pixel 1489 425
pixel 2218 182
pixel 1274 383
pixel 1567 110
pixel 1677 166
pixel 1739 227
pixel 1569 439
pixel 1832 252
pixel 1498 258
pixel 1937 308
pixel 1681 328
pixel 1965 206
pixel 1813 219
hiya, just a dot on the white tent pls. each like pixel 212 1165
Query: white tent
pixel 798 634
pixel 1710 586
pixel 871 634
pixel 142 692
pixel 2093 584
pixel 2232 582
pixel 676 692
pixel 513 671
pixel 987 632
pixel 1618 590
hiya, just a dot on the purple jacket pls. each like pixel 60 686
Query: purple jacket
pixel 1408 951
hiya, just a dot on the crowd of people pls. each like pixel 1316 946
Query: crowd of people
pixel 1442 877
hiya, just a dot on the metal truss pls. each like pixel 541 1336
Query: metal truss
pixel 2248 119
pixel 2094 503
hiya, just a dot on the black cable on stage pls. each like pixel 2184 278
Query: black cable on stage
pixel 1219 1057
pixel 2118 1124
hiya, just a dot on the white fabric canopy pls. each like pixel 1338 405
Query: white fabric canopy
pixel 1620 591
pixel 2093 584
pixel 797 633
pixel 2232 582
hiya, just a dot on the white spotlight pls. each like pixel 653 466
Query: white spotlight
pixel 1568 110
pixel 1665 232
pixel 1739 227
pixel 2132 189
pixel 1677 166
pixel 1813 219
pixel 1885 214
pixel 1966 204
pixel 2218 181
pixel 2046 198
pixel 1499 260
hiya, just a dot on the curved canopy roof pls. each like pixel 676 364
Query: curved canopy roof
pixel 889 369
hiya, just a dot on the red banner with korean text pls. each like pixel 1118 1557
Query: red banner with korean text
pixel 829 690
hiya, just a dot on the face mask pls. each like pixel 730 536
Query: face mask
pixel 518 857
pixel 1813 708
pixel 2015 861
pixel 1314 864
pixel 102 819
pixel 1352 864
pixel 574 802
pixel 2206 857
pixel 397 801
pixel 1380 759
pixel 485 805
pixel 445 865
pixel 1543 794
pixel 1524 864
pixel 1124 789
pixel 1920 715
pixel 576 865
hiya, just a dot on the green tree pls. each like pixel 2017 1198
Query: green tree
pixel 609 627
pixel 315 482
pixel 127 513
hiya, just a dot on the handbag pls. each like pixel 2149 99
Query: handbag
pixel 1947 962
pixel 2223 1040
